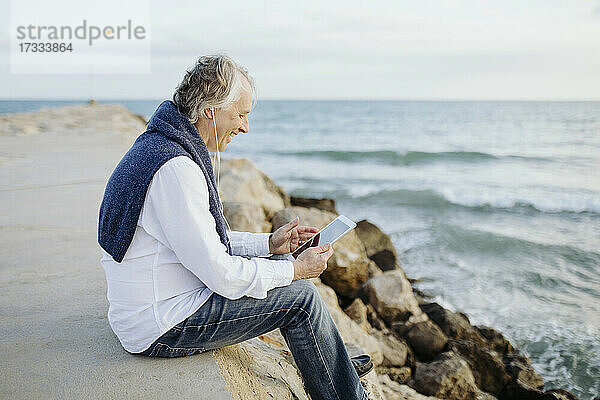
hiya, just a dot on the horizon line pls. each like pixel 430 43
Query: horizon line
pixel 570 100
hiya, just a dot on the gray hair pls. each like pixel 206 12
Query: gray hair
pixel 214 81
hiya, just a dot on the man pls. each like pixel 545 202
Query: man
pixel 178 282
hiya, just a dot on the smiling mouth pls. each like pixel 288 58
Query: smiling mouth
pixel 232 134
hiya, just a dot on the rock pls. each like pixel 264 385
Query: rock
pixel 260 369
pixel 486 365
pixel 448 377
pixel 562 394
pixel 378 245
pixel 454 325
pixel 495 339
pixel 246 217
pixel 426 339
pixel 518 390
pixel 395 391
pixel 350 331
pixel 372 269
pixel 370 383
pixel 519 368
pixel 347 268
pixel 242 182
pixel 400 375
pixel 421 296
pixel 374 319
pixel 396 352
pixel 321 204
pixel 525 382
pixel 481 395
pixel 391 295
pixel 357 311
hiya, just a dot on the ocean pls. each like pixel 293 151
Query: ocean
pixel 495 206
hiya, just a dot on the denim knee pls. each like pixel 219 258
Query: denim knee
pixel 307 297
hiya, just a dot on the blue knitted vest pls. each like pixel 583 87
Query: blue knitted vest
pixel 169 134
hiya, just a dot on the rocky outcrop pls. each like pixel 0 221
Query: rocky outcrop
pixel 412 341
pixel 246 217
pixel 321 204
pixel 396 391
pixel 391 296
pixel 425 338
pixel 260 368
pixel 378 245
pixel 454 325
pixel 242 182
pixel 396 353
pixel 401 375
pixel 347 269
pixel 487 366
pixel 448 377
pixel 495 340
pixel 357 311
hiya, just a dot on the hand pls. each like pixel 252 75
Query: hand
pixel 312 261
pixel 289 237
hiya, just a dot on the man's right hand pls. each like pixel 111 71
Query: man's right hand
pixel 312 261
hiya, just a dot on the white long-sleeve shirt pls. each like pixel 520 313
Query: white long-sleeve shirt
pixel 176 260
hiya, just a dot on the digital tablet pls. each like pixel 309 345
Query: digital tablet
pixel 330 234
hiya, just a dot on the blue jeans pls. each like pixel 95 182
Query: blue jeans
pixel 301 316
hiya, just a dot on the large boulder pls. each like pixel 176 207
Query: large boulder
pixel 260 368
pixel 561 394
pixel 396 391
pixel 242 182
pixel 246 217
pixel 525 383
pixel 378 245
pixel 374 319
pixel 519 368
pixel 486 365
pixel 426 339
pixel 321 204
pixel 357 311
pixel 481 395
pixel 454 325
pixel 347 269
pixel 448 377
pixel 396 352
pixel 495 340
pixel 391 295
pixel 401 375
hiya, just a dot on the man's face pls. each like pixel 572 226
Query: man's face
pixel 232 121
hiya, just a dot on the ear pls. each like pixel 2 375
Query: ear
pixel 207 113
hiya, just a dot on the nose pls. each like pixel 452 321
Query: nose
pixel 245 128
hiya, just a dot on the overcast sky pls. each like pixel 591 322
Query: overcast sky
pixel 421 49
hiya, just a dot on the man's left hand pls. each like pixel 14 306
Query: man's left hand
pixel 289 237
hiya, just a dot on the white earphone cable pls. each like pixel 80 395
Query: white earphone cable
pixel 218 166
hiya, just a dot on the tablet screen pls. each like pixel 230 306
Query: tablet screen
pixel 329 234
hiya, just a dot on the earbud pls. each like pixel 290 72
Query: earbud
pixel 212 111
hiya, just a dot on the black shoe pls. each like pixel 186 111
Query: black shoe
pixel 362 364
